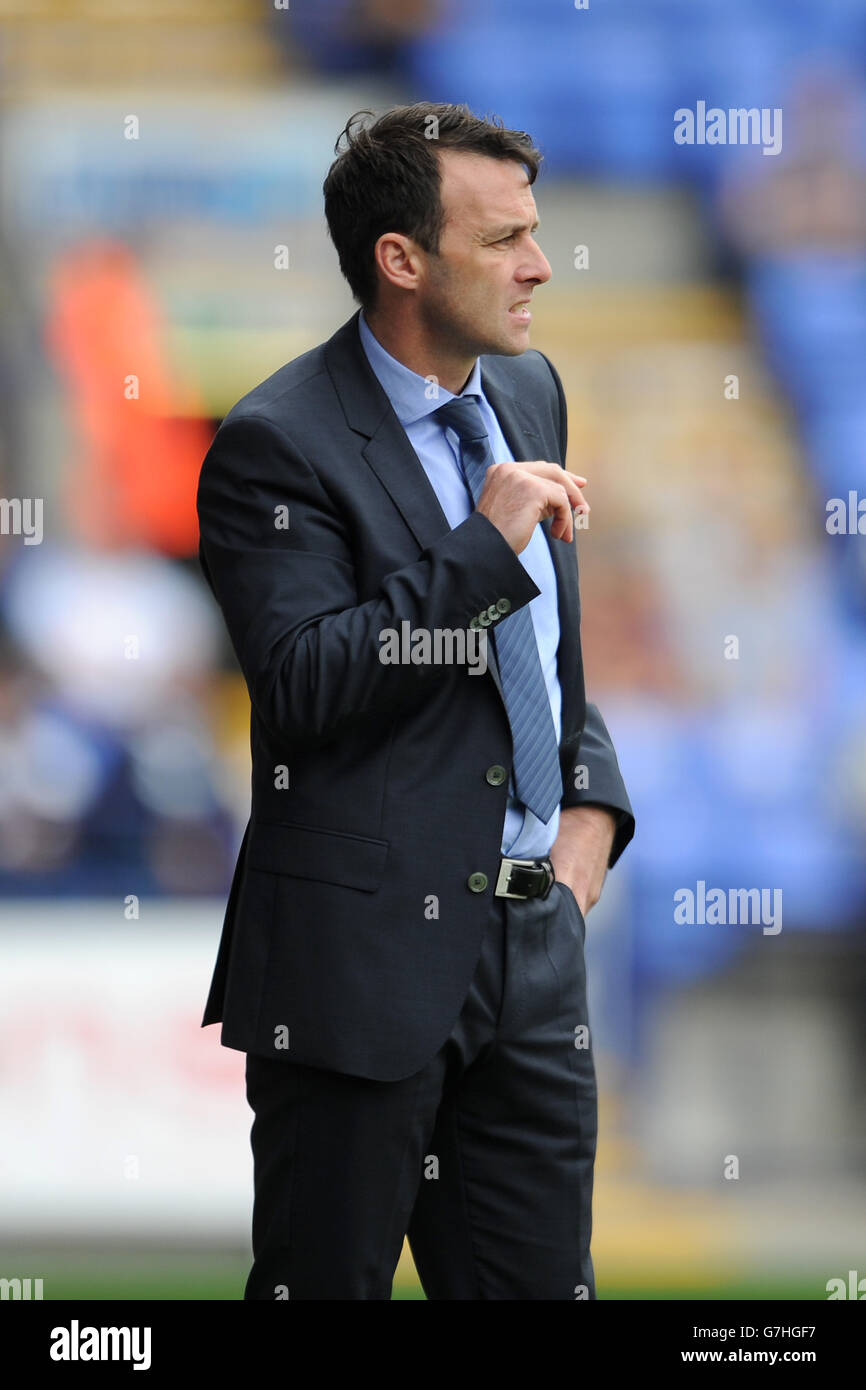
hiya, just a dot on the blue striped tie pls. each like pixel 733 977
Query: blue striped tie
pixel 537 775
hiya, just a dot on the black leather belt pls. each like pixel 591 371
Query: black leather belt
pixel 524 878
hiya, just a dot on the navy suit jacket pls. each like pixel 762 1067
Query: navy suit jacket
pixel 352 930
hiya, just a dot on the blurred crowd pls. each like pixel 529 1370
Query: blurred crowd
pixel 122 722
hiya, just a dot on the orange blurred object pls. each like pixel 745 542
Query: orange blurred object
pixel 141 434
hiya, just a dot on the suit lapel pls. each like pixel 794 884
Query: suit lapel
pixel 387 449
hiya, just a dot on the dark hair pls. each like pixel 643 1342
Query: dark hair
pixel 387 179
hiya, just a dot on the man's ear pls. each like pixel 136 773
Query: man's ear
pixel 398 259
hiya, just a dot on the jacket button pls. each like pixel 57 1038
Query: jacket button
pixel 503 605
pixel 474 624
pixel 484 618
pixel 477 882
pixel 496 775
pixel 493 613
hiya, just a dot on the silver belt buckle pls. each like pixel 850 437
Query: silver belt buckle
pixel 501 890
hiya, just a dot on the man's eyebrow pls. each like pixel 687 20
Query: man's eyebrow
pixel 501 232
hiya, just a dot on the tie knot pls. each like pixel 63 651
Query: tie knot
pixel 463 415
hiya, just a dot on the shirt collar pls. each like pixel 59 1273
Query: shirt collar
pixel 409 393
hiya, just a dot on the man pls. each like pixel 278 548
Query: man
pixel 397 961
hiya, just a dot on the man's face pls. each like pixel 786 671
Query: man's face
pixel 475 292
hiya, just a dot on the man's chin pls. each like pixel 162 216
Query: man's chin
pixel 510 344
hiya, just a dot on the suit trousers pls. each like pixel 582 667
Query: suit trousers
pixel 484 1158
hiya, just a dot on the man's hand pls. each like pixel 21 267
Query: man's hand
pixel 581 850
pixel 516 496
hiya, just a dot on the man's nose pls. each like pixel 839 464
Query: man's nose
pixel 540 268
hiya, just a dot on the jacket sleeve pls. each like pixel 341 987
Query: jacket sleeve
pixel 278 556
pixel 596 770
pixel 601 783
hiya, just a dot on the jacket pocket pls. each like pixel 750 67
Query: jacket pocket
pixel 328 856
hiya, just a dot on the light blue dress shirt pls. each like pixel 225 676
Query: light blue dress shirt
pixel 438 449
